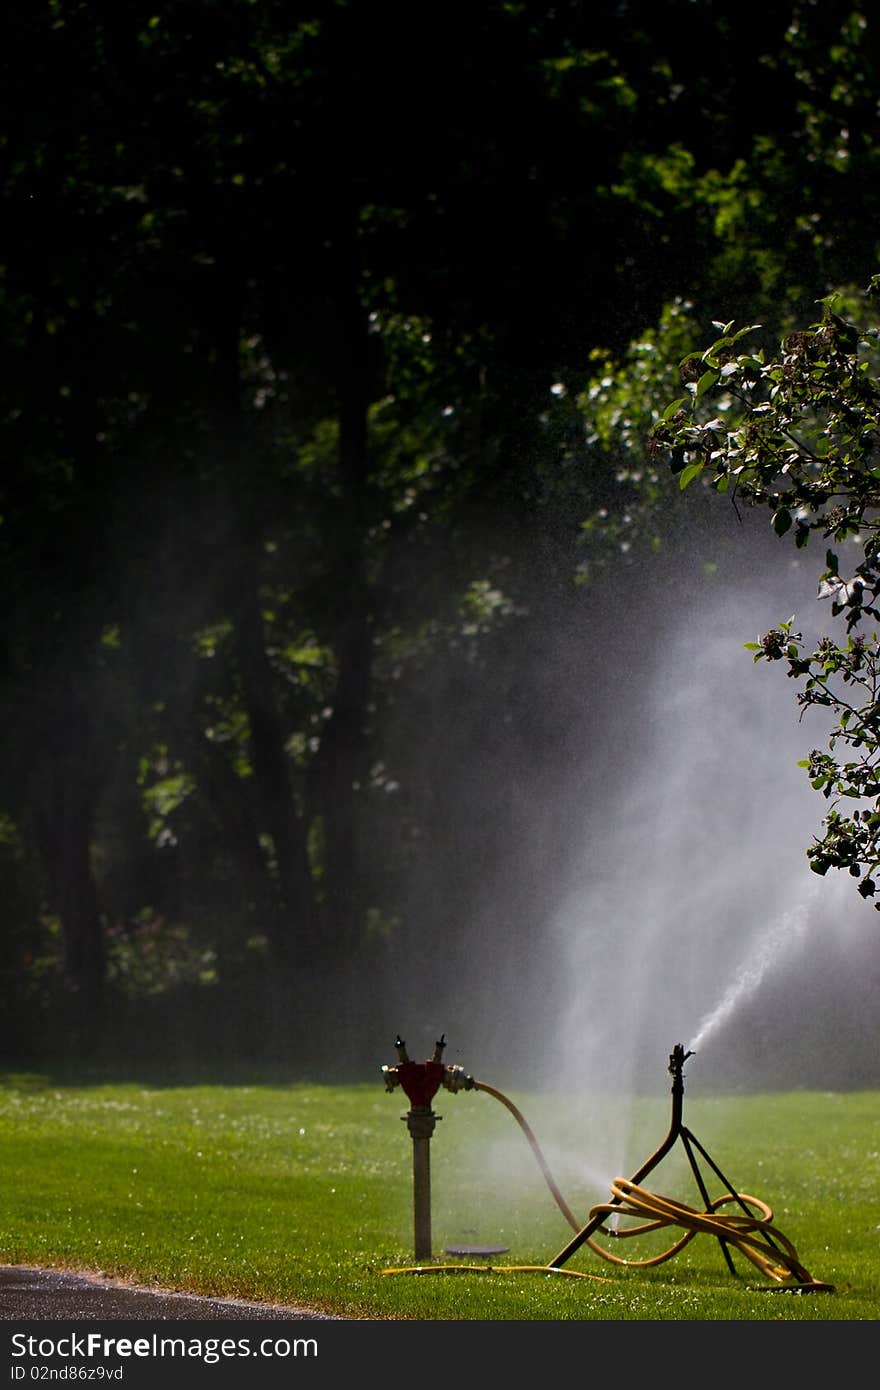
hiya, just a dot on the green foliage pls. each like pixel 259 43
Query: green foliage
pixel 797 431
pixel 166 788
pixel 151 956
pixel 482 606
pixel 617 409
pixel 40 963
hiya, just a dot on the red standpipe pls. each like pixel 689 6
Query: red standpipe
pixel 420 1082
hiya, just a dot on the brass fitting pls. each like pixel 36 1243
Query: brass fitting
pixel 455 1078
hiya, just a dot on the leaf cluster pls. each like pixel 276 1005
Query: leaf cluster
pixel 796 430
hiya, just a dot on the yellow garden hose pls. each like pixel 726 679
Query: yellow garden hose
pixel 769 1250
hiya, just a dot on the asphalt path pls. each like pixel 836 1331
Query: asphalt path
pixel 38 1295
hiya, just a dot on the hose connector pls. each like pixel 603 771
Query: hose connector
pixel 455 1078
pixel 392 1078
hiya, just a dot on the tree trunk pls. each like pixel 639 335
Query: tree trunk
pixel 339 768
pixel 292 930
pixel 64 790
pixel 288 879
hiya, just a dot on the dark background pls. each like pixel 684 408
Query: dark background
pixel 334 563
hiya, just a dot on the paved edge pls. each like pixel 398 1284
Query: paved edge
pixel 31 1290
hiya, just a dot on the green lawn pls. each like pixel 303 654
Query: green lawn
pixel 303 1194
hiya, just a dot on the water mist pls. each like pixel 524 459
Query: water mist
pixel 693 899
pixel 688 913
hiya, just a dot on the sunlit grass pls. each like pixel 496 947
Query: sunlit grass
pixel 302 1195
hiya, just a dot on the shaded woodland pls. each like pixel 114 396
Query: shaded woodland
pixel 311 485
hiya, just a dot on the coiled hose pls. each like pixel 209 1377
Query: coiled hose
pixel 768 1249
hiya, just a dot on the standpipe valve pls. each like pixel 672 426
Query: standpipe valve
pixel 420 1082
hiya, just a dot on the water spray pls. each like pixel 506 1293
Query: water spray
pixel 749 1230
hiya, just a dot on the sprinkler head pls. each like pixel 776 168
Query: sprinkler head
pixel 677 1059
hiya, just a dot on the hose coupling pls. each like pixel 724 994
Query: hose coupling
pixel 392 1077
pixel 455 1078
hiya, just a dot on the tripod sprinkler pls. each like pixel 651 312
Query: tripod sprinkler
pixel 753 1236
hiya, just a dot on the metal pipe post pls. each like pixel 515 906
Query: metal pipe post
pixel 420 1122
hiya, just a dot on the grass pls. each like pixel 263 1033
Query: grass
pixel 302 1194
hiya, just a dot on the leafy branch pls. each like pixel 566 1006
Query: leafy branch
pixel 798 431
